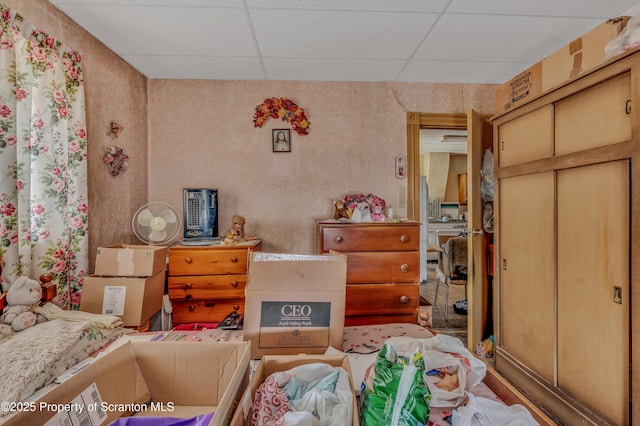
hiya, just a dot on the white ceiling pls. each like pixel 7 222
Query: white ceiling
pixel 435 41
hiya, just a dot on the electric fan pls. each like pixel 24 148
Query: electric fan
pixel 156 223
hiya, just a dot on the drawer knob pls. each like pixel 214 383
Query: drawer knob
pixel 187 285
pixel 404 300
pixel 236 307
pixel 404 238
pixel 188 297
pixel 404 267
pixel 234 284
pixel 192 308
pixel 187 259
pixel 339 239
pixel 234 259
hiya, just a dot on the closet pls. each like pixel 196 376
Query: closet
pixel 567 259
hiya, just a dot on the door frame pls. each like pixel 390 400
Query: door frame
pixel 416 121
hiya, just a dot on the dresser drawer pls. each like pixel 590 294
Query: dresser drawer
pixel 205 310
pixel 377 267
pixel 207 262
pixel 382 299
pixel 200 287
pixel 370 238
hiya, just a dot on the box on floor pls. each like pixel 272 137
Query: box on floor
pixel 126 260
pixel 177 379
pixel 134 300
pixel 270 364
pixel 294 303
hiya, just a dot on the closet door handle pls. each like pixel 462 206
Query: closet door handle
pixel 627 107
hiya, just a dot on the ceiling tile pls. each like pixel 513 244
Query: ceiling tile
pixel 361 5
pixel 153 30
pixel 199 67
pixel 500 38
pixel 578 8
pixel 332 69
pixel 346 35
pixel 461 72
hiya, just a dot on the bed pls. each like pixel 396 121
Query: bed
pixel 35 357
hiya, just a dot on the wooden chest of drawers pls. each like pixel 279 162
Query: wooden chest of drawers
pixel 383 269
pixel 207 283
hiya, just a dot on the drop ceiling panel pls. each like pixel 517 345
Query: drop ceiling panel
pixel 200 67
pixel 362 5
pixel 426 71
pixel 167 30
pixel 339 34
pixel 465 41
pixel 332 69
pixel 500 38
pixel 601 9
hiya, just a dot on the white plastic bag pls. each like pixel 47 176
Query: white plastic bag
pixel 436 360
pixel 628 38
pixel 486 412
pixel 474 367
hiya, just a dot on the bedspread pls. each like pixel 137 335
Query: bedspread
pixel 34 357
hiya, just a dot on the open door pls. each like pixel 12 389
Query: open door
pixel 479 139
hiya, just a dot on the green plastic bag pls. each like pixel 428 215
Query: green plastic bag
pixel 394 393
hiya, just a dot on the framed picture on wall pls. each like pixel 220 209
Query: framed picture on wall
pixel 281 140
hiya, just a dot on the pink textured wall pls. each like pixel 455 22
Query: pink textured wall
pixel 201 134
pixel 114 91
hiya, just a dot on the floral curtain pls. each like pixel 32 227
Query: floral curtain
pixel 43 164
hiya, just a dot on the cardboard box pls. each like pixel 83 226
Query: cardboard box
pixel 520 89
pixel 270 364
pixel 177 379
pixel 130 260
pixel 581 55
pixel 135 300
pixel 294 303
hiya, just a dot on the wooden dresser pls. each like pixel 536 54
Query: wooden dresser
pixel 207 283
pixel 383 269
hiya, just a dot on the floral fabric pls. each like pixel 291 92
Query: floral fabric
pixel 43 162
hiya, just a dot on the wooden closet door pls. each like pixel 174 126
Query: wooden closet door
pixel 527 272
pixel 593 261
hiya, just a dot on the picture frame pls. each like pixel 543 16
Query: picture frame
pixel 281 140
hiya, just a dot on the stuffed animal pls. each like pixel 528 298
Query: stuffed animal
pixel 22 297
pixel 340 212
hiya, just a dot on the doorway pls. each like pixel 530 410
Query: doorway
pixel 480 139
pixel 433 195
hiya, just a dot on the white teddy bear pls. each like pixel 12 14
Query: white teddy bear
pixel 22 297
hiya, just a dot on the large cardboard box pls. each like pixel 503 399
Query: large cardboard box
pixel 176 379
pixel 270 364
pixel 130 260
pixel 294 303
pixel 520 89
pixel 581 55
pixel 134 300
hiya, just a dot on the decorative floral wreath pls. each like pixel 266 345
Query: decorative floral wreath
pixel 116 159
pixel 285 109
